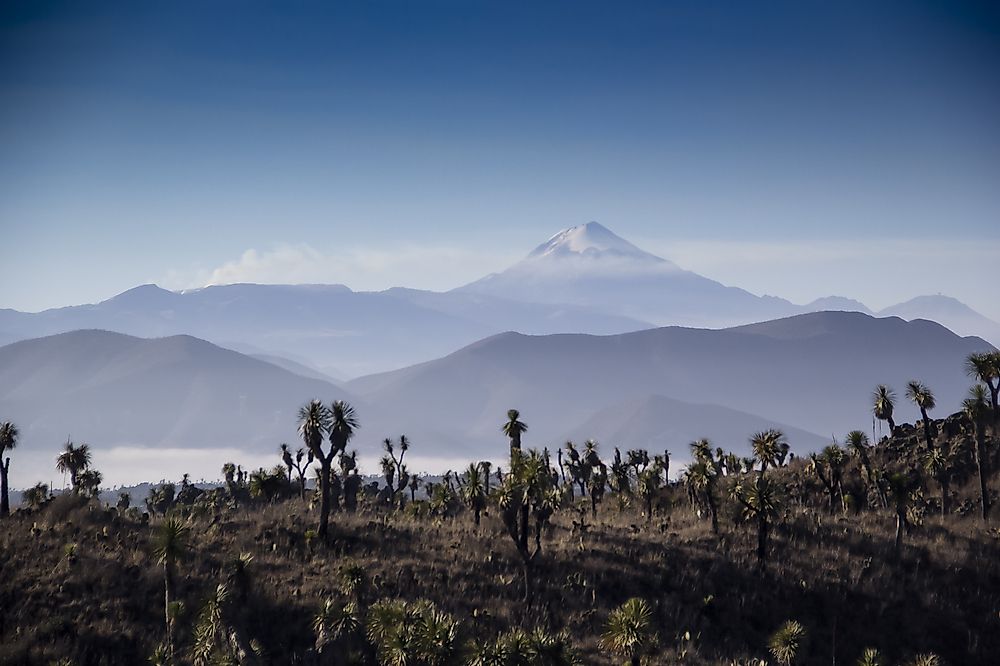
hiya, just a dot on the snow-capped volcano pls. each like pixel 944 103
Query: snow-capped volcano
pixel 589 265
pixel 593 241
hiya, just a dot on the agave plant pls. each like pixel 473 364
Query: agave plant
pixel 629 630
pixel 786 643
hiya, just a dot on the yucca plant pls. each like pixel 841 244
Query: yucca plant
pixel 35 496
pixel 977 410
pixel 514 428
pixel 761 502
pixel 472 490
pixel 548 649
pixel 927 659
pixel 336 622
pixel 171 541
pixel 769 448
pixel 73 460
pixel 8 440
pixel 786 643
pixel 985 367
pixel 870 657
pixel 883 405
pixel 404 634
pixel 629 630
pixel 921 395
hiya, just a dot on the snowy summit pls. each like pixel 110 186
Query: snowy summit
pixel 591 240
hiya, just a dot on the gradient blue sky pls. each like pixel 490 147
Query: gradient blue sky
pixel 797 148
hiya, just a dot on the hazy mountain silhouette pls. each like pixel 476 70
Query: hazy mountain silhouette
pixel 657 423
pixel 814 372
pixel 948 312
pixel 295 367
pixel 836 304
pixel 337 329
pixel 111 389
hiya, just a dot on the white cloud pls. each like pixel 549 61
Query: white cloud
pixel 877 271
pixel 423 267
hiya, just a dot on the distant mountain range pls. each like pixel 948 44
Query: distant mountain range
pixel 813 372
pixel 338 331
pixel 661 388
pixel 180 391
pixel 584 279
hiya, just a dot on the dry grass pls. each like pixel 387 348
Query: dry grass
pixel 102 604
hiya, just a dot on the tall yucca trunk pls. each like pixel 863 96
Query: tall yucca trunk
pixel 927 429
pixel 324 496
pixel 168 594
pixel 981 463
pixel 900 521
pixel 4 498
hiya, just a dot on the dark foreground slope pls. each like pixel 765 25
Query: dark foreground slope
pixel 81 582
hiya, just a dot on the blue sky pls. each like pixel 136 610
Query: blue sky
pixel 796 148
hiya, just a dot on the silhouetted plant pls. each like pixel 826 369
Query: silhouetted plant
pixel 985 367
pixel 859 446
pixel 514 428
pixel 36 496
pixel 883 405
pixel 828 466
pixel 341 422
pixel 171 541
pixel 761 501
pixel 920 395
pixel 473 491
pixel 8 440
pixel 73 460
pixel 769 448
pixel 977 409
pixel 527 492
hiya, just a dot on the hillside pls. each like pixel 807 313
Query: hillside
pixel 110 389
pixel 658 423
pixel 813 372
pixel 83 581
